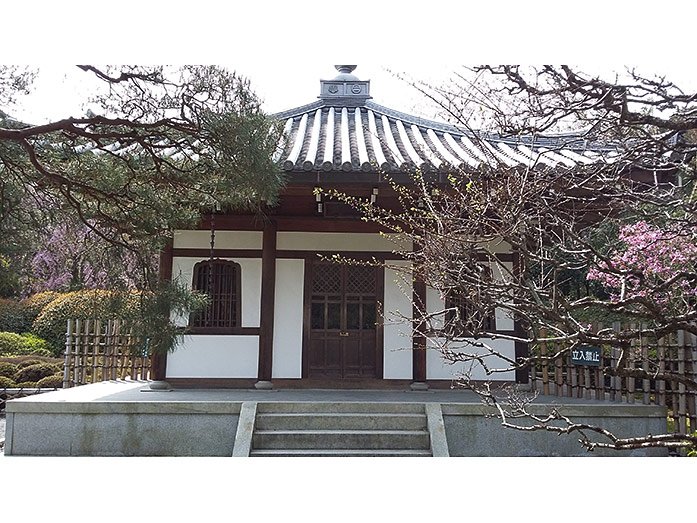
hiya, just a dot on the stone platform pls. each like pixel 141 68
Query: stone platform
pixel 126 418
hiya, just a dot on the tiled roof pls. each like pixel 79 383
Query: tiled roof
pixel 348 134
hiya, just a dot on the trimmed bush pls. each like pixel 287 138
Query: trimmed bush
pixel 36 372
pixel 88 304
pixel 36 345
pixel 34 304
pixel 7 383
pixel 13 344
pixel 8 369
pixel 25 361
pixel 55 381
pixel 13 316
pixel 26 385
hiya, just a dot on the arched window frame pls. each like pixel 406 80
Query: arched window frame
pixel 223 315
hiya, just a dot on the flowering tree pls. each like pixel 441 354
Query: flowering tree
pixel 73 257
pixel 655 265
pixel 606 241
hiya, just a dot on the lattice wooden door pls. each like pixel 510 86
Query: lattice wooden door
pixel 343 312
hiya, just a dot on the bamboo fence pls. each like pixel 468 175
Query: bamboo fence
pixel 676 354
pixel 103 350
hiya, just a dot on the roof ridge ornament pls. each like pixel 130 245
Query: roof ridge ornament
pixel 346 89
pixel 347 69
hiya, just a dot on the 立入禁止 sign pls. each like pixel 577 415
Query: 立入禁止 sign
pixel 586 355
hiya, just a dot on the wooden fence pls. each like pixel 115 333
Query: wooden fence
pixel 675 354
pixel 103 350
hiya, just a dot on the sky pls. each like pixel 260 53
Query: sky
pixel 60 90
pixel 285 48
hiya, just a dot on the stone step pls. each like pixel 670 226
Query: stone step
pixel 351 407
pixel 340 439
pixel 340 453
pixel 340 420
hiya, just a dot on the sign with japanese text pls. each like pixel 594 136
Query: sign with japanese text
pixel 586 355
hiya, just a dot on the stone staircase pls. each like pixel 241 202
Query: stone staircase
pixel 341 429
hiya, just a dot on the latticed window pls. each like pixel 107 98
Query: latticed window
pixel 463 319
pixel 465 315
pixel 220 281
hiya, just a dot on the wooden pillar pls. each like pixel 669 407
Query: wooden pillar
pixel 418 340
pixel 158 361
pixel 268 290
pixel 521 348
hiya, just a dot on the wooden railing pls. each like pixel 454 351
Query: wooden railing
pixel 676 354
pixel 103 350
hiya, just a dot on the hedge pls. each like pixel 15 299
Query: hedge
pixel 7 383
pixel 13 316
pixel 54 381
pixel 36 372
pixel 87 304
pixel 34 304
pixel 8 369
pixel 13 344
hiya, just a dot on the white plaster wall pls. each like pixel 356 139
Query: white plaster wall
pixel 437 368
pixel 223 239
pixel 504 322
pixel 288 319
pixel 498 246
pixel 213 356
pixel 397 331
pixel 339 241
pixel 183 271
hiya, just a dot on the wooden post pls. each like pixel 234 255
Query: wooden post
pixel 418 339
pixel 573 372
pixel 558 377
pixel 268 291
pixel 158 361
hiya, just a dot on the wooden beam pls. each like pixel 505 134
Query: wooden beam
pixel 268 290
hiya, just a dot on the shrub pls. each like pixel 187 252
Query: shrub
pixel 12 344
pixel 54 381
pixel 7 383
pixel 8 369
pixel 34 304
pixel 26 385
pixel 13 316
pixel 88 304
pixel 36 345
pixel 36 372
pixel 25 361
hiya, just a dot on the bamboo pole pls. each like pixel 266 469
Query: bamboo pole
pixel 682 391
pixel 97 362
pixel 67 362
pixel 631 361
pixel 646 383
pixel 661 384
pixel 545 366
